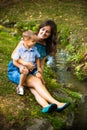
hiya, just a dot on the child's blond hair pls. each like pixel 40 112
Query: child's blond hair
pixel 29 35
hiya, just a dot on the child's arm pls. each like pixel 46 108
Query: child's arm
pixel 15 58
pixel 29 65
pixel 20 66
pixel 23 69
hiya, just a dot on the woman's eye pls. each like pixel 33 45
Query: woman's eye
pixel 43 29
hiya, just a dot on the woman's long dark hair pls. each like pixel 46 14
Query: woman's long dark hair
pixel 51 41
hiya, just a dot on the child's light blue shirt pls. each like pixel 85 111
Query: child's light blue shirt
pixel 27 55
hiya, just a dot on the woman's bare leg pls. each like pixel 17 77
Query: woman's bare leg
pixel 36 83
pixel 38 98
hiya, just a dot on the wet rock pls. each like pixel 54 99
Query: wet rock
pixel 40 124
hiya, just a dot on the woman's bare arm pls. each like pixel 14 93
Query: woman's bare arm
pixel 42 63
pixel 19 44
pixel 38 65
pixel 15 62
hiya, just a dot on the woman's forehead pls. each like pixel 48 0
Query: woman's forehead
pixel 47 27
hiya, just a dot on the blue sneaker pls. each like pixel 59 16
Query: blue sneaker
pixel 50 108
pixel 63 107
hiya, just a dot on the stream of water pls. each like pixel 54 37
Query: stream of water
pixel 66 78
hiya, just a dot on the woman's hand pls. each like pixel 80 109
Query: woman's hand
pixel 40 70
pixel 39 75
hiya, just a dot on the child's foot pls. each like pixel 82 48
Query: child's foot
pixel 20 90
pixel 49 108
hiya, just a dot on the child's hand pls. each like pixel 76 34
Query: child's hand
pixel 29 65
pixel 24 70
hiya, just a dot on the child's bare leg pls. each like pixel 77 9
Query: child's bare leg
pixel 23 76
pixel 22 79
pixel 20 88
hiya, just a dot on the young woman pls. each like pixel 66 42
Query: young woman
pixel 46 45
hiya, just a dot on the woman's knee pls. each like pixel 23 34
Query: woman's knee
pixel 33 81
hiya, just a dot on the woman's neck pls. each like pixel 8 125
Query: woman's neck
pixel 41 41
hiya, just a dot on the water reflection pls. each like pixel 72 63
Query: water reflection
pixel 67 79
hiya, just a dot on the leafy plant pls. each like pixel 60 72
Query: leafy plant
pixel 63 34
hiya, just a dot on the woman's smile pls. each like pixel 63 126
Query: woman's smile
pixel 44 32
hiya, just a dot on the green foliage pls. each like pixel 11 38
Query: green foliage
pixel 31 25
pixel 75 53
pixel 75 95
pixel 50 77
pixel 70 48
pixel 63 34
pixel 75 58
pixel 79 73
pixel 57 122
pixel 7 43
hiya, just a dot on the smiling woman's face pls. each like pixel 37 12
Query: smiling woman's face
pixel 44 32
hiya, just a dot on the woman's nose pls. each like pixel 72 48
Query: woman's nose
pixel 44 32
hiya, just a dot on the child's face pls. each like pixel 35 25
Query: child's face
pixel 29 42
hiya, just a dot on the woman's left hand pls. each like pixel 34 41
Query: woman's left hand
pixel 38 75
